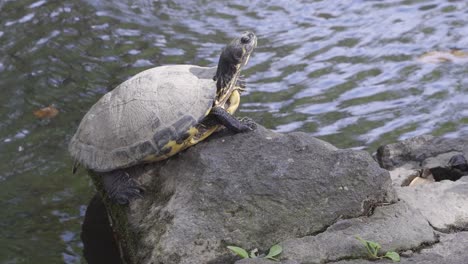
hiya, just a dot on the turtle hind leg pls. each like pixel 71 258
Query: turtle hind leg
pixel 121 187
pixel 232 123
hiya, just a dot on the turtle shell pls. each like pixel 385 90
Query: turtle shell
pixel 145 118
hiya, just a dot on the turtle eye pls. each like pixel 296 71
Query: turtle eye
pixel 245 39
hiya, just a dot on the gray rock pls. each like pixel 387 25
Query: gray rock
pixel 421 180
pixel 415 150
pixel 444 204
pixel 440 168
pixel 440 160
pixel 403 176
pixel 394 227
pixel 426 157
pixel 250 190
pixel 452 249
pixel 401 153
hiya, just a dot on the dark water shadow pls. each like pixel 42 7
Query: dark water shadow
pixel 97 236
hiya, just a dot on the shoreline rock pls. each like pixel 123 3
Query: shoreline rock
pixel 251 190
pixel 262 188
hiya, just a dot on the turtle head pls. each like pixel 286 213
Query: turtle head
pixel 233 57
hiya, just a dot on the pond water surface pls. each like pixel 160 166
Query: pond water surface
pixel 345 71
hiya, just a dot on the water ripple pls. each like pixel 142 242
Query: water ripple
pixel 347 71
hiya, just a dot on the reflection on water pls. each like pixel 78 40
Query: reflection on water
pixel 346 71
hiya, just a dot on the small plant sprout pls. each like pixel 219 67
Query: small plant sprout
pixel 373 250
pixel 239 251
pixel 272 253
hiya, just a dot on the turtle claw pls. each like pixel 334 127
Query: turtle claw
pixel 128 191
pixel 241 84
pixel 241 90
pixel 122 188
pixel 248 124
pixel 126 196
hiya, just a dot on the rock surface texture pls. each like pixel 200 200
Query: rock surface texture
pixel 451 249
pixel 251 190
pixel 444 203
pixel 416 151
pixel 262 188
pixel 395 227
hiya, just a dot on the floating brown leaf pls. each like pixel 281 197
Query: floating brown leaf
pixel 46 112
pixel 454 56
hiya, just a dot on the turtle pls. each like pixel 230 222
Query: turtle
pixel 158 113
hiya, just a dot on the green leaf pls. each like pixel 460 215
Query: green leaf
pixel 371 246
pixel 273 252
pixel 393 256
pixel 239 251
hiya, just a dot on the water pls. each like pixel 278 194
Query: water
pixel 345 71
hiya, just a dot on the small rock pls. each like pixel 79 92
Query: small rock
pixel 419 181
pixel 416 150
pixel 407 151
pixel 444 204
pixel 446 166
pixel 402 176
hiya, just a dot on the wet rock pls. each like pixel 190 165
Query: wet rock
pixel 444 204
pixel 415 151
pixel 394 227
pixel 459 162
pixel 446 166
pixel 251 190
pixel 441 160
pixel 424 159
pixel 407 152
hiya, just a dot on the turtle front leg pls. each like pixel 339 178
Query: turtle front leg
pixel 121 187
pixel 224 116
pixel 232 123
